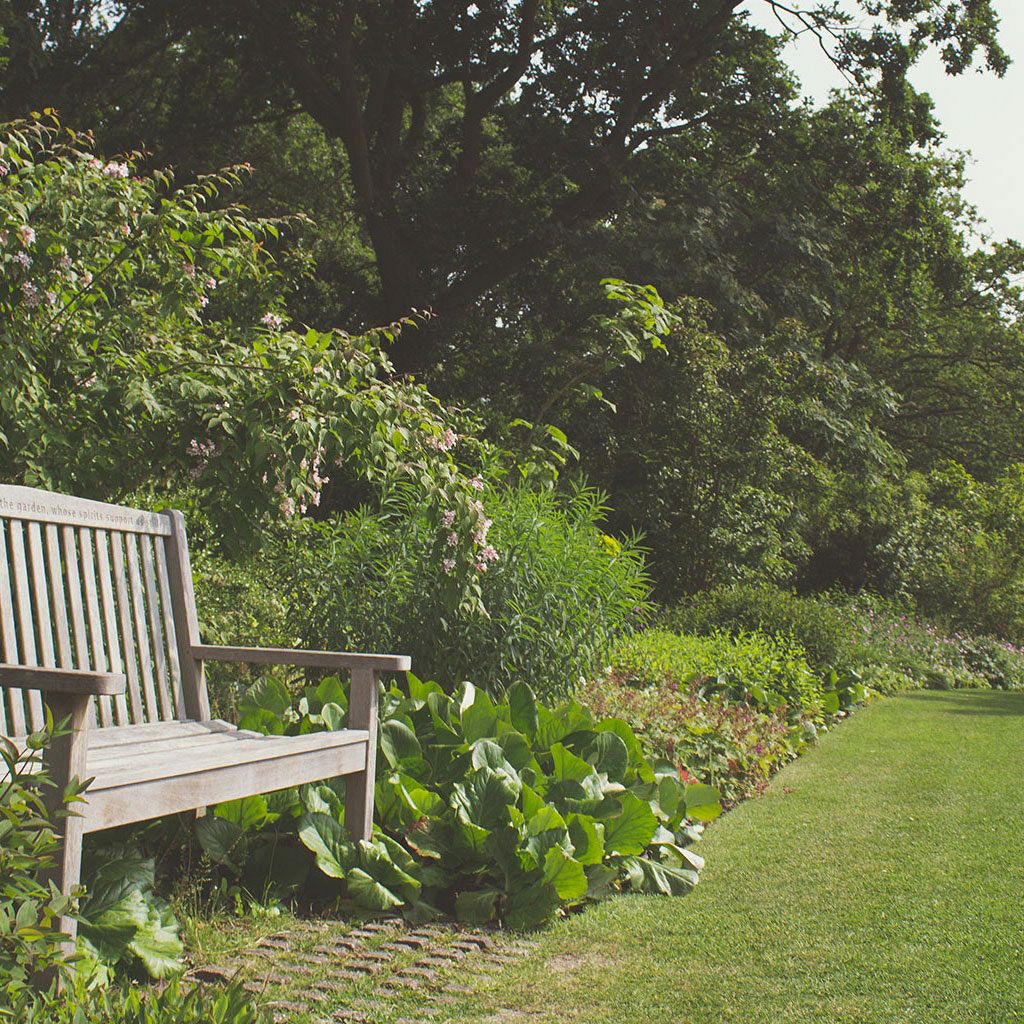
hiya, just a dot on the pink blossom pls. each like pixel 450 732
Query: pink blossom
pixel 211 283
pixel 27 235
pixel 190 270
pixel 446 442
pixel 30 293
pixel 24 259
pixel 288 506
pixel 449 518
pixel 116 170
pixel 86 279
pixel 203 302
pixel 294 415
pixel 4 168
pixel 477 483
pixel 95 164
pixel 51 298
pixel 271 320
pixel 489 554
pixel 448 564
pixel 65 262
pixel 480 565
pixel 480 534
pixel 125 230
pixel 453 539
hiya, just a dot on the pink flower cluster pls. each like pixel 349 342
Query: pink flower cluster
pixel 27 235
pixel 5 168
pixel 445 443
pixel 114 169
pixel 272 320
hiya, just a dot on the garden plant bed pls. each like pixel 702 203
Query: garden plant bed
pixel 859 888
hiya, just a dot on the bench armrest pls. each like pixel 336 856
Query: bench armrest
pixel 305 659
pixel 62 680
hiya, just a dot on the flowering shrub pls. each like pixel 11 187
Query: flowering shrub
pixel 560 595
pixel 146 344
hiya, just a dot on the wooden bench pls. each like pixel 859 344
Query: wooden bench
pixel 98 621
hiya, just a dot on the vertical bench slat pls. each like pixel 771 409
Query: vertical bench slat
pixel 39 593
pixel 169 629
pixel 109 618
pixel 26 627
pixel 16 717
pixel 155 629
pixel 131 543
pixel 69 541
pixel 124 609
pixel 92 611
pixel 58 603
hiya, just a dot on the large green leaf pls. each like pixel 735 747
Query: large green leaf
pixel 522 704
pixel 478 907
pixel 531 906
pixel 251 812
pixel 609 755
pixel 587 837
pixel 368 892
pixel 265 707
pixel 565 874
pixel 157 943
pixel 629 832
pixel 484 797
pixel 664 880
pixel 222 840
pixel 702 803
pixel 329 840
pixel 488 754
pixel 401 748
pixel 567 766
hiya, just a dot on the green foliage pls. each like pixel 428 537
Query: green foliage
pixel 124 923
pixel 145 346
pixel 30 908
pixel 958 549
pixel 494 810
pixel 769 673
pixel 732 746
pixel 557 596
pixel 167 1005
pixel 820 629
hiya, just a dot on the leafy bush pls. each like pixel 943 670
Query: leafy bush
pixel 168 1005
pixel 770 673
pixel 30 909
pixel 818 626
pixel 147 347
pixel 496 810
pixel 559 594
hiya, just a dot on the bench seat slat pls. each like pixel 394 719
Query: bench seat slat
pixel 139 801
pixel 147 766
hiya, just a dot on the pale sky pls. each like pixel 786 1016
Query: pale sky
pixel 978 112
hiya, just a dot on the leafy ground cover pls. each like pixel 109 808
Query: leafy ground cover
pixel 878 879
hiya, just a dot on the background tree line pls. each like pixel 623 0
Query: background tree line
pixel 838 399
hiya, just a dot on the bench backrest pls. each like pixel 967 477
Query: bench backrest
pixel 100 587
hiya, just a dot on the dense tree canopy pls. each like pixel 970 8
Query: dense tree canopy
pixel 832 316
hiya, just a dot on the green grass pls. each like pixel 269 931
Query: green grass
pixel 880 879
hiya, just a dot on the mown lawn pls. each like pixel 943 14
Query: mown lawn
pixel 880 879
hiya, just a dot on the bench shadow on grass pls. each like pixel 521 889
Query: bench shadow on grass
pixel 975 702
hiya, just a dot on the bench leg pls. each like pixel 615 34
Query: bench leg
pixel 64 759
pixel 362 714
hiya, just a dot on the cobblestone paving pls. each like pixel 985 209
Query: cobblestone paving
pixel 378 972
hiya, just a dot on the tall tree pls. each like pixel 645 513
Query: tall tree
pixel 477 138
